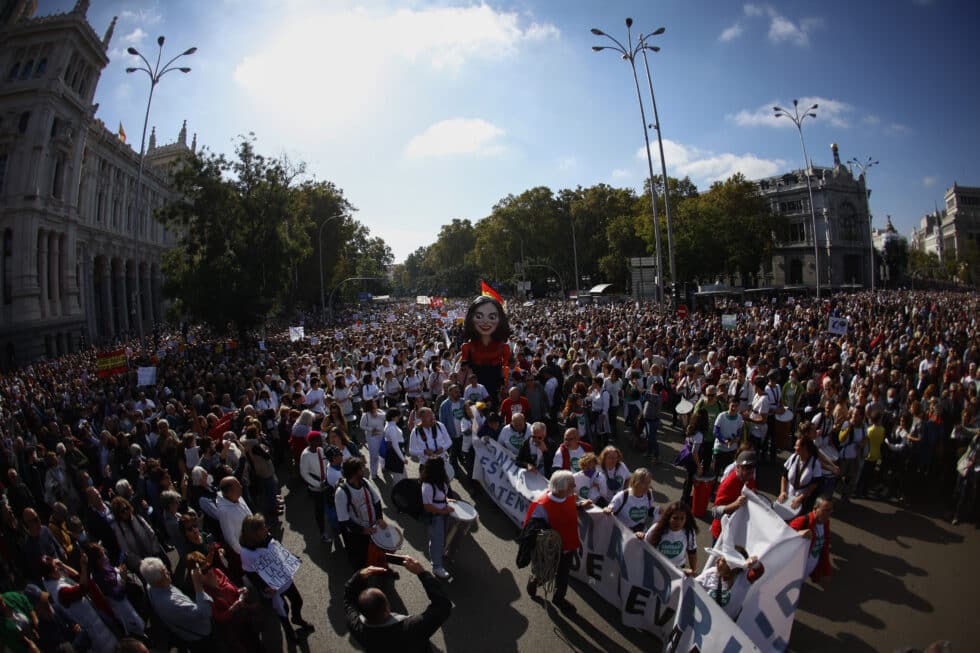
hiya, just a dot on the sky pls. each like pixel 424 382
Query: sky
pixel 423 112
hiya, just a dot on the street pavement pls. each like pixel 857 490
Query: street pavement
pixel 901 578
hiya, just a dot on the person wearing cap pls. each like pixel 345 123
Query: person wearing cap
pixel 729 496
pixel 313 470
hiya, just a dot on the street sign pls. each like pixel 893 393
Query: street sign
pixel 682 311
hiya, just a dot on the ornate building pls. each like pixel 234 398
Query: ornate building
pixel 843 227
pixel 81 261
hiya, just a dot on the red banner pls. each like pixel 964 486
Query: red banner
pixel 110 363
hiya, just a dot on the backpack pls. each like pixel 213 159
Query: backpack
pixel 406 496
pixel 626 496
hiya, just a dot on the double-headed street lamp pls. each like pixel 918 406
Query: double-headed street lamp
pixel 155 73
pixel 797 118
pixel 864 166
pixel 629 52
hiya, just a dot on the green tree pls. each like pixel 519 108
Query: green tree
pixel 240 229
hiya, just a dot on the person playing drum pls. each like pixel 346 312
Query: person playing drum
pixel 359 514
pixel 435 503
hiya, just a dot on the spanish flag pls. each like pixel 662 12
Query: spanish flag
pixel 487 291
pixel 122 133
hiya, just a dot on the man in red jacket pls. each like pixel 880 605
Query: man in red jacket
pixel 558 506
pixel 729 496
pixel 816 526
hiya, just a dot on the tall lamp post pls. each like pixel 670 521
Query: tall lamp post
pixel 797 118
pixel 660 144
pixel 155 73
pixel 629 54
pixel 319 244
pixel 864 166
pixel 575 260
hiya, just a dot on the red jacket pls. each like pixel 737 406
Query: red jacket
pixel 729 490
pixel 562 517
pixel 804 522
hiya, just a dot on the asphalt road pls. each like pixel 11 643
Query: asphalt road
pixel 901 578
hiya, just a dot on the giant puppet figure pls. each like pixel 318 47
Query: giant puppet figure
pixel 486 351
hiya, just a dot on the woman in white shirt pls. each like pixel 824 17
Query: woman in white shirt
pixel 586 480
pixel 612 475
pixel 435 502
pixel 394 455
pixel 633 505
pixel 373 425
pixel 470 428
pixel 675 535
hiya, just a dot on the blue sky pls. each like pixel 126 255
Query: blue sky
pixel 428 111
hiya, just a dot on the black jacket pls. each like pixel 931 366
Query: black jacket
pixel 525 458
pixel 411 634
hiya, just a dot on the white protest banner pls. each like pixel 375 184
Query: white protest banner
pixel 622 569
pixel 391 318
pixel 837 326
pixel 728 322
pixel 512 487
pixel 146 376
pixel 277 566
pixel 296 333
pixel 770 605
pixel 422 300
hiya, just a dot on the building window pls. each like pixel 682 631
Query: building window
pixel 42 67
pixel 25 119
pixel 795 277
pixel 100 207
pixel 794 206
pixel 56 178
pixel 26 70
pixel 795 232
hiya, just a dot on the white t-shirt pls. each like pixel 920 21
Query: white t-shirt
pixel 799 475
pixel 637 509
pixel 813 555
pixel 611 482
pixel 314 400
pixel 760 410
pixel 675 545
pixel 728 432
pixel 585 487
pixel 434 496
pixel 512 438
pixel 362 511
pixel 475 393
pixel 573 455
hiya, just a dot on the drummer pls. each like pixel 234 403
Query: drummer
pixel 775 395
pixel 435 503
pixel 359 514
pixel 429 439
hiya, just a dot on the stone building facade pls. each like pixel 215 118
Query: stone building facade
pixel 80 260
pixel 842 223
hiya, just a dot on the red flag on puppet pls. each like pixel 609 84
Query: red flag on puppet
pixel 487 291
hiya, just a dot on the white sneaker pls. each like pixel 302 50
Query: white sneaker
pixel 440 573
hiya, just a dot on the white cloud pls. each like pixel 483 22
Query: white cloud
pixel 929 181
pixel 898 128
pixel 731 33
pixel 622 173
pixel 343 66
pixel 141 16
pixel 135 37
pixel 705 166
pixel 781 28
pixel 456 136
pixel 833 111
pixel 871 120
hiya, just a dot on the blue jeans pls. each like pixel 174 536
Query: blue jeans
pixel 653 447
pixel 437 539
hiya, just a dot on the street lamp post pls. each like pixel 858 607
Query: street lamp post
pixel 575 259
pixel 797 120
pixel 629 54
pixel 155 73
pixel 345 281
pixel 319 244
pixel 864 166
pixel 660 144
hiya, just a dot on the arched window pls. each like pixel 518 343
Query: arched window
pixel 26 70
pixel 42 67
pixel 13 71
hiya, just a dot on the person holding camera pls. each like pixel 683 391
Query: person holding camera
pixel 373 625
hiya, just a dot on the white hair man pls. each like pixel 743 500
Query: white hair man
pixel 189 620
pixel 558 507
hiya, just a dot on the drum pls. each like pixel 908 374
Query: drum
pixel 781 431
pixel 388 539
pixel 785 416
pixel 463 511
pixel 684 407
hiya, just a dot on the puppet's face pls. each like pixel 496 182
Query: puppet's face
pixel 485 319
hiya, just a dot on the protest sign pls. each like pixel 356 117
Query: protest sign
pixel 110 363
pixel 728 322
pixel 649 591
pixel 146 376
pixel 837 326
pixel 296 333
pixel 277 566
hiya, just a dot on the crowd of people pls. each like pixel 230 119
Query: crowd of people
pixel 136 513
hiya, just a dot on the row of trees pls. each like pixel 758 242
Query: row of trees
pixel 724 231
pixel 248 238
